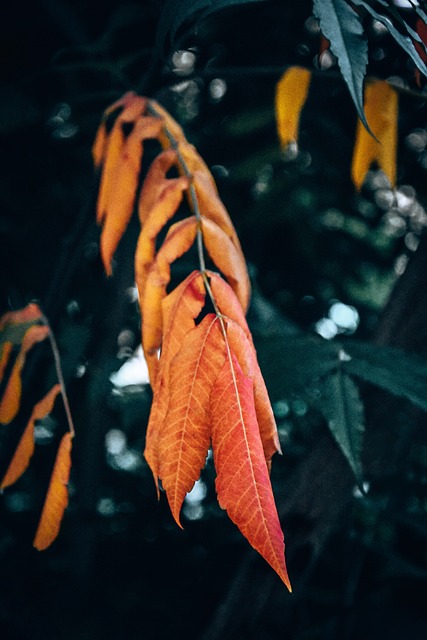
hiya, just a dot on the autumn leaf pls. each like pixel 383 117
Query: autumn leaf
pixel 179 239
pixel 29 314
pixel 243 483
pixel 5 353
pixel 163 210
pixel 381 108
pixel 113 151
pixel 291 94
pixel 100 143
pixel 228 259
pixel 185 437
pixel 179 309
pixel 25 448
pixel 154 182
pixel 119 207
pixel 170 127
pixel 57 497
pixel 11 399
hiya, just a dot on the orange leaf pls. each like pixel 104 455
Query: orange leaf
pixel 119 208
pixel 291 94
pixel 179 309
pixel 242 345
pixel 25 449
pixel 212 207
pixel 381 108
pixel 243 483
pixel 6 350
pixel 99 146
pixel 57 497
pixel 30 313
pixel 185 437
pixel 179 239
pixel 154 182
pixel 114 147
pixel 162 211
pixel 10 401
pixel 194 162
pixel 228 259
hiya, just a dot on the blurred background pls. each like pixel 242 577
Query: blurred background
pixel 329 266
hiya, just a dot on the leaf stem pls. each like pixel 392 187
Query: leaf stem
pixel 60 376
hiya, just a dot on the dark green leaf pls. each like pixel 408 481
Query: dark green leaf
pixel 391 369
pixel 341 25
pixel 176 12
pixel 342 408
pixel 403 41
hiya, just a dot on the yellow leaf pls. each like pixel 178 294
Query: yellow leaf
pixel 291 94
pixel 381 108
pixel 57 497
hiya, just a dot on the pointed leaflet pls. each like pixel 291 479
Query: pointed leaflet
pixel 185 437
pixel 343 409
pixel 114 147
pixel 25 449
pixel 10 401
pixel 163 210
pixel 228 259
pixel 291 94
pixel 404 42
pixel 57 497
pixel 243 483
pixel 154 182
pixel 341 25
pixel 381 107
pixel 5 351
pixel 179 309
pixel 179 239
pixel 119 208
pixel 211 206
pixel 100 144
pixel 241 344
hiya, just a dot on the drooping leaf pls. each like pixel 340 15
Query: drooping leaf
pixel 179 239
pixel 21 318
pixel 154 182
pixel 211 206
pixel 193 163
pixel 343 409
pixel 25 449
pixel 119 208
pixel 162 211
pixel 11 399
pixel 227 302
pixel 341 25
pixel 179 309
pixel 185 437
pixel 228 259
pixel 243 483
pixel 291 94
pixel 381 108
pixel 100 143
pixel 172 132
pixel 57 497
pixel 405 42
pixel 245 353
pixel 176 12
pixel 402 374
pixel 114 147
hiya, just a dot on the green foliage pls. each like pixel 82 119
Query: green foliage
pixel 343 28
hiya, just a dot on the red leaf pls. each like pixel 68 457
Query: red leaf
pixel 25 448
pixel 57 497
pixel 185 437
pixel 243 483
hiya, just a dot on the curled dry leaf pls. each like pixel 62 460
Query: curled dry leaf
pixel 57 497
pixel 25 449
pixel 154 182
pixel 99 146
